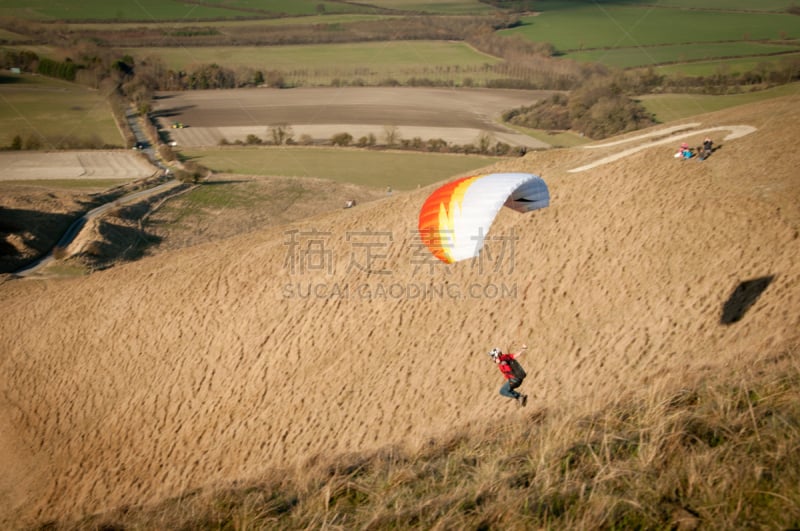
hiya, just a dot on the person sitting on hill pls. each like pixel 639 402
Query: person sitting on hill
pixel 684 152
pixel 512 372
pixel 687 151
pixel 708 147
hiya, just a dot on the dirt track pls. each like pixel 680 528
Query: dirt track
pixel 217 362
pixel 455 115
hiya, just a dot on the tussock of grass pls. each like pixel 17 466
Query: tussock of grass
pixel 722 453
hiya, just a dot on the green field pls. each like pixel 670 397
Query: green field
pixel 286 7
pixel 669 107
pixel 449 7
pixel 10 36
pixel 165 10
pixel 633 57
pixel 600 26
pixel 226 26
pixel 385 56
pixel 53 110
pixel 728 66
pixel 707 5
pixel 401 171
pixel 321 64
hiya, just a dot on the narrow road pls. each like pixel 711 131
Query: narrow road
pixel 76 227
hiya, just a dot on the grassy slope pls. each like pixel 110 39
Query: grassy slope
pixel 721 452
pixel 714 446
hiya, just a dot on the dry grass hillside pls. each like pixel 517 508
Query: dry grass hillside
pixel 220 362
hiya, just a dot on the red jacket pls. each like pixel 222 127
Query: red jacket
pixel 505 368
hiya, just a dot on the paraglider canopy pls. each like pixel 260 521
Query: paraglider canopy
pixel 455 218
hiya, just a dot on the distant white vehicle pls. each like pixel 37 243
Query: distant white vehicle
pixel 173 143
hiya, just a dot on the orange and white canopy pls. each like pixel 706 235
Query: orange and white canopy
pixel 455 218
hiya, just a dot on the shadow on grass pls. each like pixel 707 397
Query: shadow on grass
pixel 225 181
pixel 743 297
pixel 119 244
pixel 35 231
pixel 8 80
pixel 171 112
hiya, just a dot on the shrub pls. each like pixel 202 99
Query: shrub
pixel 501 148
pixel 33 142
pixel 437 145
pixel 341 139
pixel 274 78
pixel 191 172
pixel 166 153
pixel 598 109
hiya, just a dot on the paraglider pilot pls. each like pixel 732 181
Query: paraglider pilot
pixel 512 372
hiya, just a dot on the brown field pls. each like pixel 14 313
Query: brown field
pixel 34 165
pixel 218 363
pixel 455 115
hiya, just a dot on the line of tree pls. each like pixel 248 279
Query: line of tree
pixel 282 134
pixel 58 69
pixel 35 141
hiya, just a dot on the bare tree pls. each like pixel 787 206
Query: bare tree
pixel 391 134
pixel 484 141
pixel 280 133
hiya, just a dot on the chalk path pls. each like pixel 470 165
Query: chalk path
pixel 736 131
